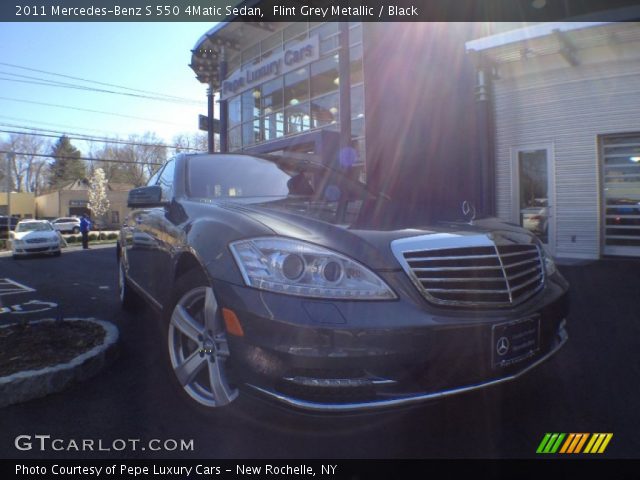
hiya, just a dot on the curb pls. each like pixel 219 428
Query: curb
pixel 30 384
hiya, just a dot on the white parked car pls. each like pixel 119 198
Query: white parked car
pixel 67 224
pixel 35 236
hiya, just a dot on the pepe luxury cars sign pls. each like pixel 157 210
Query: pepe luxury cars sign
pixel 268 280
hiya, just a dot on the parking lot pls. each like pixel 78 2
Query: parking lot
pixel 591 385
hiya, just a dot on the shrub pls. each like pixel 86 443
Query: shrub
pixel 72 239
pixel 92 237
pixel 112 236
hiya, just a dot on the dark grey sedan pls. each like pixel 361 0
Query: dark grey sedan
pixel 273 276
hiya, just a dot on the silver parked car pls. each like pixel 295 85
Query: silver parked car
pixel 67 224
pixel 35 236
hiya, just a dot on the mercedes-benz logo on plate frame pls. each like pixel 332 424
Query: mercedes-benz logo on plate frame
pixel 502 346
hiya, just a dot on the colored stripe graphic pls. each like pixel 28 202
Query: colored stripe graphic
pixel 574 443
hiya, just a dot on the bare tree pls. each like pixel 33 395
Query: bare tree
pixel 134 162
pixel 27 167
pixel 196 142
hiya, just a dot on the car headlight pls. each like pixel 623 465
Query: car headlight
pixel 18 243
pixel 294 267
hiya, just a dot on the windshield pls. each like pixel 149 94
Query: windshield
pixel 292 182
pixel 228 176
pixel 33 227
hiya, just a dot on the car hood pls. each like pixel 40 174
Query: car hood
pixel 371 245
pixel 32 235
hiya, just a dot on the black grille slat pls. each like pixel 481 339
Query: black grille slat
pixel 501 275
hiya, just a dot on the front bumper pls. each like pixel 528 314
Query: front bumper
pixel 407 399
pixel 357 356
pixel 36 248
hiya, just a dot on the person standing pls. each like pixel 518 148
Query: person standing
pixel 85 228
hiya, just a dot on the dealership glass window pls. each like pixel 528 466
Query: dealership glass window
pixel 295 32
pixel 296 86
pixel 325 110
pixel 250 105
pixel 271 44
pixel 323 30
pixel 357 101
pixel 235 111
pixel 115 217
pixel 274 126
pixel 298 118
pixel 250 133
pixel 281 106
pixel 272 96
pixel 358 144
pixel 355 58
pixel 329 45
pixel 355 33
pixel 249 54
pixel 357 127
pixel 235 138
pixel 534 192
pixel 324 75
pixel 328 34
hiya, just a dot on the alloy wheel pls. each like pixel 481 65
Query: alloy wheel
pixel 199 351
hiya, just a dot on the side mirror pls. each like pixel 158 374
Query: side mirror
pixel 145 197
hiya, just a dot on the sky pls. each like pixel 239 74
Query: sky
pixel 152 57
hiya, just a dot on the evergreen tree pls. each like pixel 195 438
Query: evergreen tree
pixel 67 166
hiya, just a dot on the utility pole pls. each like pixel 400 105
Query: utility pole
pixel 9 156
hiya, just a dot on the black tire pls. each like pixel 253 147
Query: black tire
pixel 57 254
pixel 75 230
pixel 129 299
pixel 195 338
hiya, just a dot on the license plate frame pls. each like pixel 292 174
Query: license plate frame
pixel 515 341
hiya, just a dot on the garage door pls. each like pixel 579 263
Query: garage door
pixel 621 194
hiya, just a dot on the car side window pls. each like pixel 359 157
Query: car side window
pixel 154 178
pixel 166 180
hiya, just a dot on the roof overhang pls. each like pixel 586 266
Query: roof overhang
pixel 563 38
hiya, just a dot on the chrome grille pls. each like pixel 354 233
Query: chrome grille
pixel 37 240
pixel 492 275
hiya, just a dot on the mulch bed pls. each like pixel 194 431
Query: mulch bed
pixel 33 346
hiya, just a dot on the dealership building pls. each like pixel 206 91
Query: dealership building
pixel 566 105
pixel 537 125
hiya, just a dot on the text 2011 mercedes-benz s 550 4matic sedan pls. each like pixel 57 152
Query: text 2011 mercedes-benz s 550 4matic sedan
pixel 273 277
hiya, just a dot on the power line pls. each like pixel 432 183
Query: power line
pixel 102 140
pixel 49 83
pixel 19 100
pixel 55 124
pixel 79 158
pixel 94 81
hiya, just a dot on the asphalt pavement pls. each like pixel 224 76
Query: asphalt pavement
pixel 591 385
